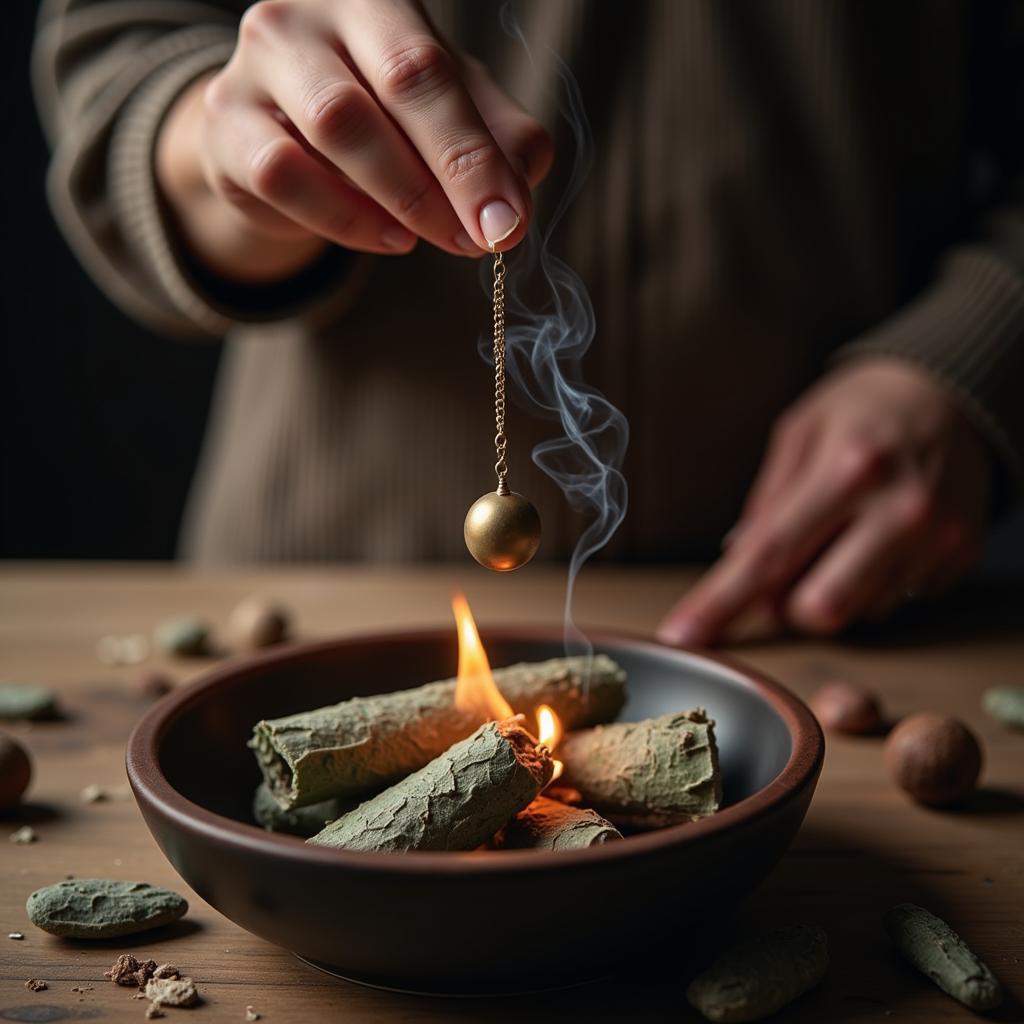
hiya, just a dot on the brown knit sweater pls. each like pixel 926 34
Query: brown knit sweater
pixel 775 185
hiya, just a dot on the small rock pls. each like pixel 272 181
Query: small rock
pixel 122 650
pixel 153 1011
pixel 847 708
pixel 251 1014
pixel 35 985
pixel 25 834
pixel 172 992
pixel 129 970
pixel 93 794
pixel 188 636
pixel 94 908
pixel 82 989
pixel 16 935
pixel 257 622
pixel 934 758
pixel 23 701
pixel 15 772
pixel 1005 704
pixel 153 684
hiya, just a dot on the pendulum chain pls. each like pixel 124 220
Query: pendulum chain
pixel 500 440
pixel 502 528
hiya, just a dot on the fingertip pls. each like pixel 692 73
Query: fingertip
pixel 812 611
pixel 682 632
pixel 398 239
pixel 501 225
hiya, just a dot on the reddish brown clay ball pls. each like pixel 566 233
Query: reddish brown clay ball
pixel 256 622
pixel 15 772
pixel 847 707
pixel 934 757
pixel 153 684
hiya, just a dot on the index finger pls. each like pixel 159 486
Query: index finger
pixel 767 556
pixel 418 83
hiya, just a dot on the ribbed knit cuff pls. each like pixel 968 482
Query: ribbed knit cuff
pixel 133 187
pixel 968 331
pixel 203 302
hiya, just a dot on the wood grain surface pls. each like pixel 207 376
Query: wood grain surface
pixel 864 845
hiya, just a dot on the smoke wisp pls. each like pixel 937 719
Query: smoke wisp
pixel 546 343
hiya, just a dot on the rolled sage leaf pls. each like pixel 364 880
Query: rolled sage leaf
pixel 761 974
pixel 549 825
pixel 938 952
pixel 361 745
pixel 458 801
pixel 650 774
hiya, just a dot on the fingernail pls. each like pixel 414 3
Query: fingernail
pixel 466 244
pixel 497 221
pixel 682 633
pixel 394 236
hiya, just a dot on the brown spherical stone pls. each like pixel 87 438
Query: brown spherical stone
pixel 15 772
pixel 257 622
pixel 934 758
pixel 847 707
pixel 153 684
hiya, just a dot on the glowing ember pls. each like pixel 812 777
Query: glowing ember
pixel 549 730
pixel 475 691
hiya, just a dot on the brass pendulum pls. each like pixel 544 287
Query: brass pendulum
pixel 502 528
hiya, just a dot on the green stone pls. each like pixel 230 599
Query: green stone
pixel 100 908
pixel 1005 703
pixel 22 700
pixel 186 636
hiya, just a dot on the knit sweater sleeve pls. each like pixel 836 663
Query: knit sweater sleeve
pixel 105 74
pixel 967 326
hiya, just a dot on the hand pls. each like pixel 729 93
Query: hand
pixel 874 489
pixel 350 121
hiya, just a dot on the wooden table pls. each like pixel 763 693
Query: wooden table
pixel 864 845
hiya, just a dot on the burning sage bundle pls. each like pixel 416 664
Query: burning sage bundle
pixel 458 801
pixel 363 744
pixel 650 774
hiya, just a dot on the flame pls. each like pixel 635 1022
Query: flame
pixel 549 728
pixel 549 733
pixel 475 690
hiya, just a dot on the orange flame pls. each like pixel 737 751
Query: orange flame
pixel 475 690
pixel 549 729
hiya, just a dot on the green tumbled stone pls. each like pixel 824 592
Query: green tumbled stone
pixel 100 908
pixel 21 700
pixel 184 636
pixel 1005 703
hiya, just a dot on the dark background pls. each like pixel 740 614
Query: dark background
pixel 101 421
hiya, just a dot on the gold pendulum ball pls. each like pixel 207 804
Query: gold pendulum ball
pixel 502 530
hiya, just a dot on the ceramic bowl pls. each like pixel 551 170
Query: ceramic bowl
pixel 472 922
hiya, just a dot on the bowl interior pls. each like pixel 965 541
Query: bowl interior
pixel 204 757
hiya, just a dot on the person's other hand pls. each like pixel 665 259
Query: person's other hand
pixel 351 121
pixel 874 489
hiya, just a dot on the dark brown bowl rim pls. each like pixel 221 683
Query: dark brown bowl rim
pixel 152 789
